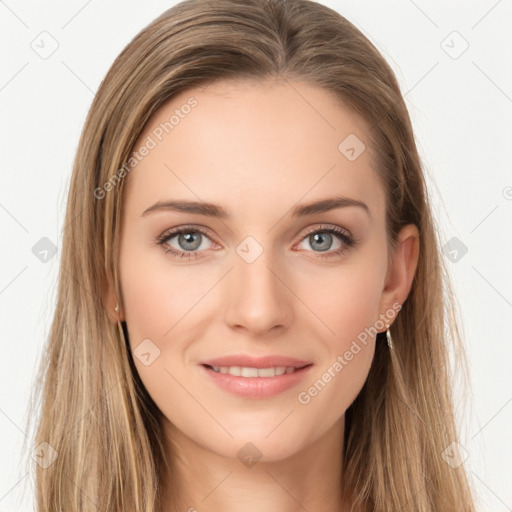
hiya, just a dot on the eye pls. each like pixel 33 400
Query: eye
pixel 189 240
pixel 320 239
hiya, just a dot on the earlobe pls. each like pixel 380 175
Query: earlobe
pixel 402 268
pixel 111 304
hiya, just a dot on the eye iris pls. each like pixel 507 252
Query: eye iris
pixel 322 237
pixel 189 238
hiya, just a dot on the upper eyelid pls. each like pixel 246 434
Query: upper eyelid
pixel 326 227
pixel 171 233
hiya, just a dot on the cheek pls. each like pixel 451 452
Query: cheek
pixel 347 303
pixel 157 293
pixel 159 301
pixel 346 299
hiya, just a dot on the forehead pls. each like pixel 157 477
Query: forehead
pixel 250 145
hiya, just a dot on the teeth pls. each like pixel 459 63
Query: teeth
pixel 241 371
pixel 248 372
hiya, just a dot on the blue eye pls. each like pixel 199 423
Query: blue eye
pixel 188 238
pixel 191 238
pixel 321 238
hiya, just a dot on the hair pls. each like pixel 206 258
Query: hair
pixel 94 410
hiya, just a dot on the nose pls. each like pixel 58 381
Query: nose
pixel 258 297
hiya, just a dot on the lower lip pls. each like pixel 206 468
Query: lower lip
pixel 257 387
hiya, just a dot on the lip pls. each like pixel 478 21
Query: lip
pixel 256 387
pixel 256 362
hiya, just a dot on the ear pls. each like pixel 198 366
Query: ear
pixel 402 268
pixel 110 302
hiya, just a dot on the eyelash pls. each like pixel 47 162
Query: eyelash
pixel 347 240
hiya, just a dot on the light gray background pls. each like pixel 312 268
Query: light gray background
pixel 460 104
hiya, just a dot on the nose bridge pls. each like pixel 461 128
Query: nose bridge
pixel 258 299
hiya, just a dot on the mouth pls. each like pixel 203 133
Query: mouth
pixel 251 372
pixel 253 382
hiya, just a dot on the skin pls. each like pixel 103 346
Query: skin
pixel 256 149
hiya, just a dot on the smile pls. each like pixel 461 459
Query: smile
pixel 245 371
pixel 253 382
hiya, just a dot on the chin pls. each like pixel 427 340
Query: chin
pixel 264 444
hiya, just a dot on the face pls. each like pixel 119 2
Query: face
pixel 265 277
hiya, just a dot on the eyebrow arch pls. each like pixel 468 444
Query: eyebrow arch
pixel 328 204
pixel 213 210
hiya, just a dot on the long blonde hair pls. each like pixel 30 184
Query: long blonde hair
pixel 94 410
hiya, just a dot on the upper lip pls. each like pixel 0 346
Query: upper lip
pixel 256 362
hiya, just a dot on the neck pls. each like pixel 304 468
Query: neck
pixel 202 480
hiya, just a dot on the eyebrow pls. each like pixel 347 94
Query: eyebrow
pixel 213 210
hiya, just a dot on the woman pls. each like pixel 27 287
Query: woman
pixel 252 308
